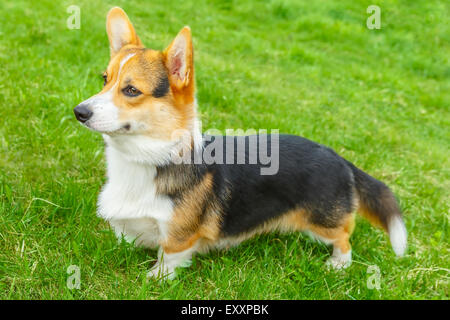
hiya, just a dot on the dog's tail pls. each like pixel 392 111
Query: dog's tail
pixel 377 204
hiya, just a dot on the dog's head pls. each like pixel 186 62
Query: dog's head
pixel 146 93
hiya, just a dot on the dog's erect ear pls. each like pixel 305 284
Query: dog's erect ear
pixel 179 60
pixel 120 30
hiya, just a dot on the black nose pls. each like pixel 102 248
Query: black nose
pixel 82 113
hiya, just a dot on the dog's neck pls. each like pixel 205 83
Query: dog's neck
pixel 140 149
pixel 137 162
pixel 145 150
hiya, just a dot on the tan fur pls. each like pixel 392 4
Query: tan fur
pixel 281 224
pixel 297 220
pixel 285 223
pixel 389 203
pixel 340 235
pixel 186 226
pixel 373 219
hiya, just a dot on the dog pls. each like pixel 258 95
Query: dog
pixel 189 207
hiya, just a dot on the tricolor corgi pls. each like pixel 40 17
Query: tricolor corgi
pixel 147 113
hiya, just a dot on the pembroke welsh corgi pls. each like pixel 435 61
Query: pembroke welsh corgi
pixel 147 113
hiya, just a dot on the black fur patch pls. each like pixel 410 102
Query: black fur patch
pixel 162 88
pixel 310 177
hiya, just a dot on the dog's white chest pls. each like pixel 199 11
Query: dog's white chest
pixel 130 203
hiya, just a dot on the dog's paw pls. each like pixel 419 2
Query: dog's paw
pixel 161 272
pixel 337 263
pixel 340 260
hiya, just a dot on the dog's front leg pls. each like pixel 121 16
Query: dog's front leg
pixel 173 254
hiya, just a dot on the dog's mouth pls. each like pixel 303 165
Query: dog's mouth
pixel 107 127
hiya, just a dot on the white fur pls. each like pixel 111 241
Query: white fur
pixel 142 149
pixel 143 231
pixel 339 260
pixel 130 194
pixel 105 113
pixel 397 235
pixel 129 200
pixel 130 203
pixel 168 262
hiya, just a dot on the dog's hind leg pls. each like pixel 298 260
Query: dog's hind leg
pixel 341 257
pixel 339 237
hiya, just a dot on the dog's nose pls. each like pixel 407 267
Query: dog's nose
pixel 82 113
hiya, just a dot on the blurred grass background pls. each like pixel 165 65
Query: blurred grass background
pixel 380 98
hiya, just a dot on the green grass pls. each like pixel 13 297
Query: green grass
pixel 380 98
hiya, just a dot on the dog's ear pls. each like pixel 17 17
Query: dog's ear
pixel 120 30
pixel 179 60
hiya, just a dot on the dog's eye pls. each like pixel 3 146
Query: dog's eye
pixel 105 79
pixel 131 91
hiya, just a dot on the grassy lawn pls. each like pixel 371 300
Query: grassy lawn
pixel 380 98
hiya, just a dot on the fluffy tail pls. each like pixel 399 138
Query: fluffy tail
pixel 378 204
